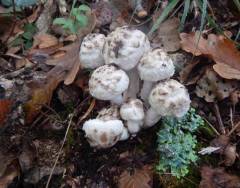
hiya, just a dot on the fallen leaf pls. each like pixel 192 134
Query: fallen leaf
pixel 225 71
pixel 41 94
pixel 185 72
pixel 221 141
pixel 44 41
pixel 5 108
pixel 218 48
pixel 24 62
pixel 230 155
pixel 141 178
pixel 7 25
pixel 217 177
pixel 167 36
pixel 66 69
pixel 11 172
pixel 211 87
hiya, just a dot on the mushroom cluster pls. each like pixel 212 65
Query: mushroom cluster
pixel 135 79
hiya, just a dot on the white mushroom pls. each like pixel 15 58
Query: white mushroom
pixel 124 47
pixel 91 51
pixel 132 111
pixel 106 130
pixel 167 98
pixel 108 83
pixel 154 66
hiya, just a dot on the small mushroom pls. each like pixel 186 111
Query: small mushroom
pixel 167 98
pixel 106 130
pixel 91 51
pixel 154 66
pixel 108 83
pixel 132 112
pixel 124 47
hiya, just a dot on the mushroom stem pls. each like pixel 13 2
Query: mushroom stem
pixel 145 91
pixel 125 134
pixel 151 118
pixel 117 100
pixel 134 84
pixel 134 126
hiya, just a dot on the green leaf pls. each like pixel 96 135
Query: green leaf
pixel 59 21
pixel 185 13
pixel 163 16
pixel 27 35
pixel 82 20
pixel 84 8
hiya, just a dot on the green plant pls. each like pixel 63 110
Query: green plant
pixel 25 39
pixel 201 4
pixel 77 19
pixel 176 144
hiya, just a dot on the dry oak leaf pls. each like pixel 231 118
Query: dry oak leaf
pixel 218 48
pixel 66 69
pixel 44 41
pixel 141 178
pixel 226 71
pixel 216 177
pixel 41 94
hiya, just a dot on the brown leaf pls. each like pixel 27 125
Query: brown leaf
pixel 226 71
pixel 44 41
pixel 66 69
pixel 211 87
pixel 41 94
pixel 5 107
pixel 217 47
pixel 185 72
pixel 11 172
pixel 215 178
pixel 167 36
pixel 222 141
pixel 230 155
pixel 141 178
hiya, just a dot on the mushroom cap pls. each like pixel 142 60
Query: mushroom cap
pixel 103 134
pixel 107 82
pixel 132 110
pixel 155 65
pixel 170 98
pixel 124 47
pixel 91 51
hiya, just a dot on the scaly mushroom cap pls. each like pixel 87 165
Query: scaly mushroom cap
pixel 124 47
pixel 111 113
pixel 170 98
pixel 91 51
pixel 103 134
pixel 155 65
pixel 107 82
pixel 132 110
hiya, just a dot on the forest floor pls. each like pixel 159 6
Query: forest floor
pixel 44 97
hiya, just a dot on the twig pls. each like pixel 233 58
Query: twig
pixel 234 128
pixel 210 125
pixel 219 118
pixel 58 155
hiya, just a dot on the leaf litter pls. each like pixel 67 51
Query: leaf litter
pixel 53 61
